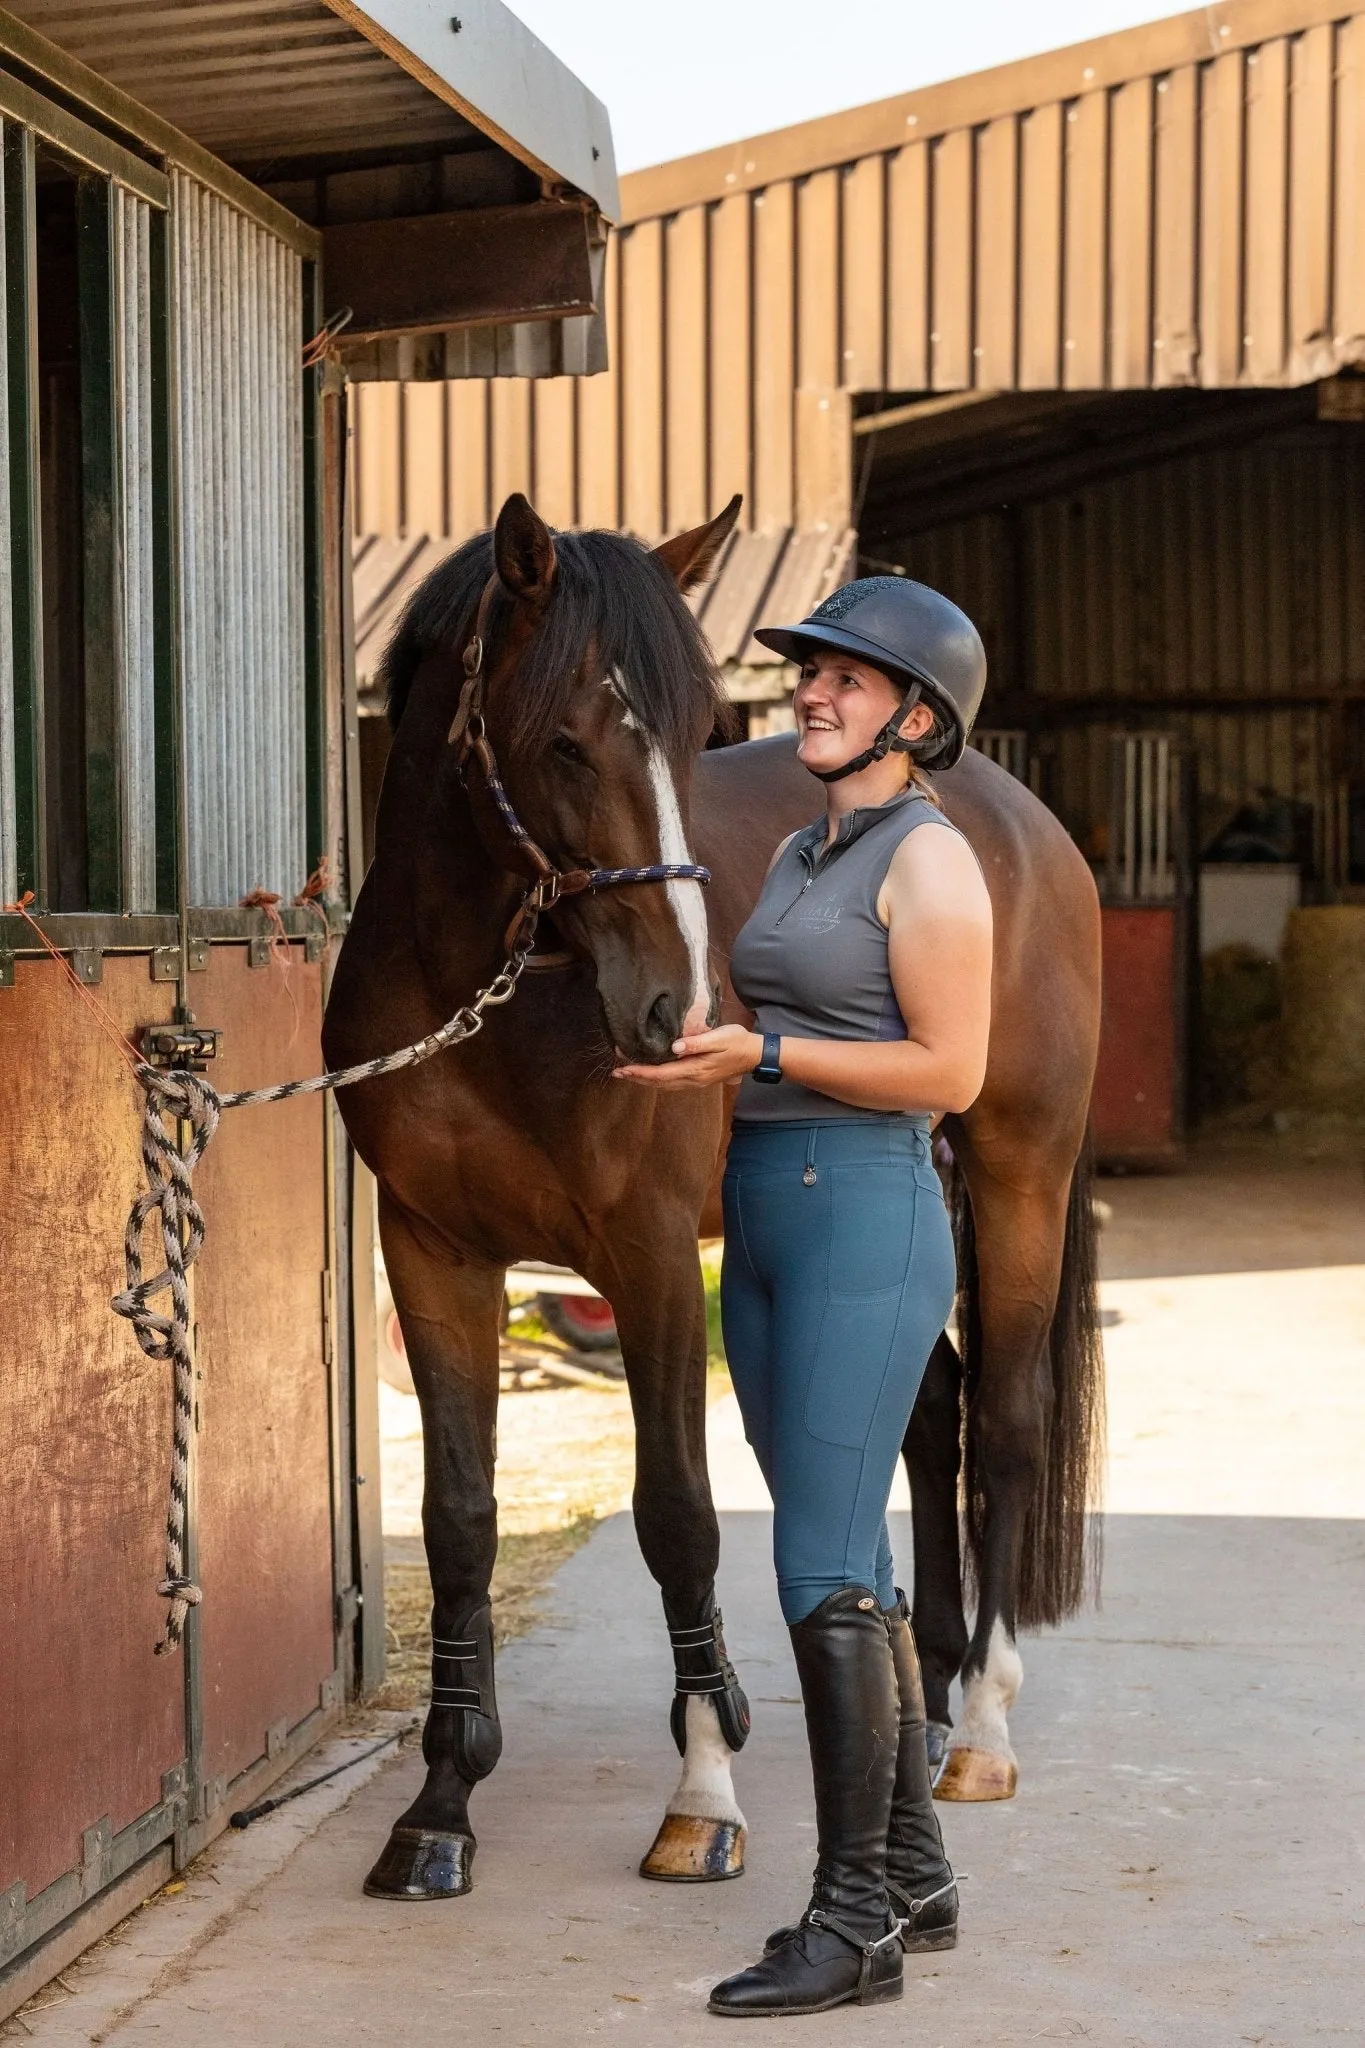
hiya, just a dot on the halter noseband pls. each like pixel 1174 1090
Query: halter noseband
pixel 520 854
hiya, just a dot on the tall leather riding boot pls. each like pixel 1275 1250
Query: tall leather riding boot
pixel 919 1877
pixel 846 1947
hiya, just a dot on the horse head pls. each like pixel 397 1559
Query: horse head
pixel 599 693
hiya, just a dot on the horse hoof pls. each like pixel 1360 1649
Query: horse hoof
pixel 972 1776
pixel 937 1735
pixel 422 1863
pixel 689 1850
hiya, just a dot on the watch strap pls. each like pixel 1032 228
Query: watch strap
pixel 769 1068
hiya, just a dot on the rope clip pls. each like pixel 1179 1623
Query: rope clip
pixel 189 1048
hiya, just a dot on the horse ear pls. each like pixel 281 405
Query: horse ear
pixel 524 551
pixel 690 557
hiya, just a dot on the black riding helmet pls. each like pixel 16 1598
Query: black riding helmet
pixel 920 639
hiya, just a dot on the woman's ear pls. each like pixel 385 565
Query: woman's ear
pixel 524 551
pixel 690 557
pixel 918 722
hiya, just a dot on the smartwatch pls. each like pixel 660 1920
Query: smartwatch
pixel 769 1068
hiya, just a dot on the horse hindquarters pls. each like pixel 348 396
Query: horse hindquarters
pixel 449 1316
pixel 1032 1378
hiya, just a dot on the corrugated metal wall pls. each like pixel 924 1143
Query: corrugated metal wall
pixel 1234 574
pixel 9 883
pixel 133 344
pixel 1182 204
pixel 239 322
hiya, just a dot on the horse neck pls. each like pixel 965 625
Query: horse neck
pixel 437 884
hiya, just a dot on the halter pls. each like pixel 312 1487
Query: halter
pixel 519 852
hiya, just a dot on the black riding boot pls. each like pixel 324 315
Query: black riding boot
pixel 919 1877
pixel 845 1947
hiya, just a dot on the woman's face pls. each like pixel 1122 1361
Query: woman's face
pixel 841 704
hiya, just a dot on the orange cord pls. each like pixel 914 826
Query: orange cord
pixel 125 1047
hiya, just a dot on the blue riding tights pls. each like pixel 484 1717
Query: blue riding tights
pixel 838 1277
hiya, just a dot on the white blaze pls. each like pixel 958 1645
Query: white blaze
pixel 685 899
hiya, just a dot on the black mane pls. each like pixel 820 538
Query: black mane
pixel 608 590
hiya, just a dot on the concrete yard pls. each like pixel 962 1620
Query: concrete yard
pixel 1184 1866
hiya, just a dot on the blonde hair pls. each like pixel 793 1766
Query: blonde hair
pixel 918 780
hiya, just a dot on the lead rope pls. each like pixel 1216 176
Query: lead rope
pixel 177 1096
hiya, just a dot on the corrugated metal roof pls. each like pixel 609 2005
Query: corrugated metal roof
pixel 275 81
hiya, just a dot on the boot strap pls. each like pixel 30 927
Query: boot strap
pixel 817 1916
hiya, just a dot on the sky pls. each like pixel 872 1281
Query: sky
pixel 683 75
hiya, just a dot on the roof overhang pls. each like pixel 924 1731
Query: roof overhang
pixel 462 134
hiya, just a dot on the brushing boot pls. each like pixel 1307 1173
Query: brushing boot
pixel 846 1947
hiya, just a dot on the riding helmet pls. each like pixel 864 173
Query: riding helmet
pixel 914 634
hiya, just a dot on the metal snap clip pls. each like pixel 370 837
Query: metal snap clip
pixel 810 1176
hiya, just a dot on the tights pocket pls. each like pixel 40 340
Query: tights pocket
pixel 852 1353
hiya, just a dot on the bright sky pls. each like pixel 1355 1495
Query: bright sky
pixel 682 75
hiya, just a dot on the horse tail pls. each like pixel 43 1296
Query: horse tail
pixel 1061 1548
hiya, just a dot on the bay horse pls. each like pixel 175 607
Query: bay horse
pixel 596 699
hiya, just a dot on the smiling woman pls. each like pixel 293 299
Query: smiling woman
pixel 867 963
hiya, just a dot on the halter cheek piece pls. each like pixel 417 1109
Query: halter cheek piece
pixel 888 741
pixel 496 816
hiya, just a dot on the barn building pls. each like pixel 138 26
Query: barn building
pixel 1080 341
pixel 218 221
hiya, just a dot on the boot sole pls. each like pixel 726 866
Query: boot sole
pixel 880 1994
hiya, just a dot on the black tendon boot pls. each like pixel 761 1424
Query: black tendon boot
pixel 845 1947
pixel 430 1850
pixel 919 1877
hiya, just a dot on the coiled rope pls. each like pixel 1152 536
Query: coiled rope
pixel 175 1098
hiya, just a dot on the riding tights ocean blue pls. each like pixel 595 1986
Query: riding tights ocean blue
pixel 838 1277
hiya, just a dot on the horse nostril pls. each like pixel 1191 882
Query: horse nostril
pixel 662 1023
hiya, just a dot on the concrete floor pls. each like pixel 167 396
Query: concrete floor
pixel 1184 1866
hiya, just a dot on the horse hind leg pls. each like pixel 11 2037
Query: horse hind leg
pixel 702 1836
pixel 449 1316
pixel 1011 1297
pixel 933 1457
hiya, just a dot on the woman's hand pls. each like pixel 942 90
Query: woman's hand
pixel 702 1059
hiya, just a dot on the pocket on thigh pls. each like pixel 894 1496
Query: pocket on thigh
pixel 849 1367
pixel 871 1227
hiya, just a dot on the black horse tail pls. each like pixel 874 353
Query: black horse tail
pixel 1060 1556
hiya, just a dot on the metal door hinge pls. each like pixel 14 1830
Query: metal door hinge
pixel 314 946
pixel 88 964
pixel 350 1600
pixel 6 970
pixel 258 952
pixel 166 960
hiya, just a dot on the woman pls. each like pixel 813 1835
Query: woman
pixel 867 964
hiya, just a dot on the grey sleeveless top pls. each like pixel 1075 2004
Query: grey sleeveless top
pixel 812 960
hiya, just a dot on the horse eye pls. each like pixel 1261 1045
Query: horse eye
pixel 569 750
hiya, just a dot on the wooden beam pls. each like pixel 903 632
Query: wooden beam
pixel 476 268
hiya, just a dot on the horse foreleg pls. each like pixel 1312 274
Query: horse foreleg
pixel 661 1316
pixel 933 1457
pixel 449 1316
pixel 1018 1232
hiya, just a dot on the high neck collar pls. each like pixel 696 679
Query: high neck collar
pixel 812 841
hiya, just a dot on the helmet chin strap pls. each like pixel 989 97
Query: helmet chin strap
pixel 888 741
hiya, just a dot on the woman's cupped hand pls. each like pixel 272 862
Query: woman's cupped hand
pixel 701 1059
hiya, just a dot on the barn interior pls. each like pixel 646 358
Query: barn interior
pixel 1171 587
